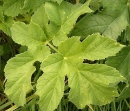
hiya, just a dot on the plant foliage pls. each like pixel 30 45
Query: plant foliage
pixel 55 38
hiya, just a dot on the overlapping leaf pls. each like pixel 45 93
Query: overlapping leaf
pixel 28 4
pixel 28 34
pixel 40 17
pixel 1 14
pixel 88 83
pixel 122 63
pixel 59 22
pixel 110 21
pixel 15 7
pixel 64 16
pixel 5 22
pixel 19 69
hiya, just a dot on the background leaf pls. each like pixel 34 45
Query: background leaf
pixel 13 7
pixel 1 14
pixel 110 21
pixel 6 25
pixel 64 16
pixel 40 17
pixel 122 63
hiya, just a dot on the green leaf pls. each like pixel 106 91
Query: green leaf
pixel 28 4
pixel 71 47
pixel 97 81
pixel 52 23
pixel 19 82
pixel 13 7
pixel 19 69
pixel 40 17
pixel 6 25
pixel 125 93
pixel 64 16
pixel 122 63
pixel 28 34
pixel 99 47
pixel 50 87
pixel 18 72
pixel 90 84
pixel 95 5
pixel 110 21
pixel 127 33
pixel 94 47
pixel 1 14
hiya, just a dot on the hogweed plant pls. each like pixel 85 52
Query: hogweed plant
pixel 63 49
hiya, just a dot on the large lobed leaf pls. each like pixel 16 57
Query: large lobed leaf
pixel 110 21
pixel 19 69
pixel 89 84
pixel 18 72
pixel 98 81
pixel 61 17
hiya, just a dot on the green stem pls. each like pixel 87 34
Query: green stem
pixel 5 105
pixel 127 103
pixel 90 107
pixel 33 98
pixel 11 45
pixel 3 101
pixel 51 46
pixel 124 99
pixel 59 107
pixel 37 76
pixel 12 108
